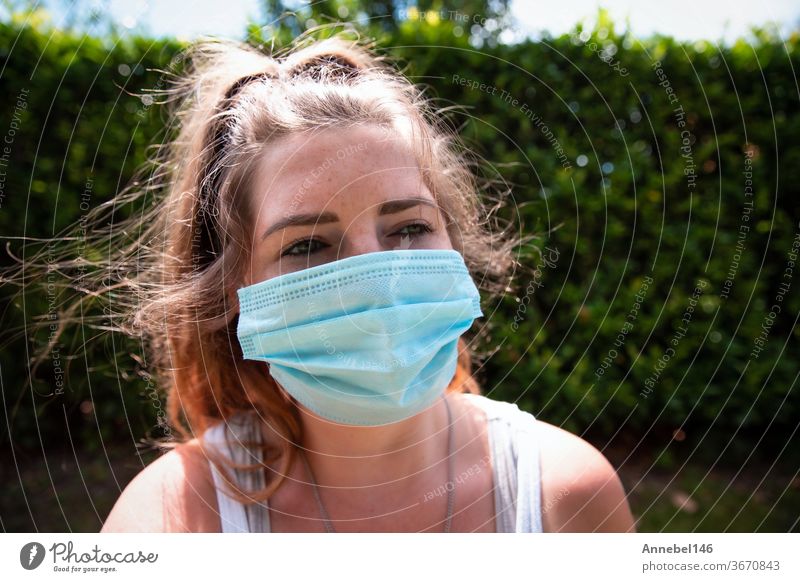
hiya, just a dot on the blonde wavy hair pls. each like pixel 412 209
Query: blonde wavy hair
pixel 174 285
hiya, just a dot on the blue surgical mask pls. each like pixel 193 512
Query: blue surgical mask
pixel 366 340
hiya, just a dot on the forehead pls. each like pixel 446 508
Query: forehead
pixel 305 169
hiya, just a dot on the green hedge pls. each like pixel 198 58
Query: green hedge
pixel 626 219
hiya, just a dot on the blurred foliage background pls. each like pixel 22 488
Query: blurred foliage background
pixel 585 132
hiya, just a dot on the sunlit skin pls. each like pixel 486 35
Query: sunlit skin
pixel 372 478
pixel 345 201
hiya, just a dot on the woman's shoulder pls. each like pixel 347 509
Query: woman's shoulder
pixel 581 491
pixel 580 488
pixel 174 493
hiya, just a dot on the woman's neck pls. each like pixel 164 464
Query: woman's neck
pixel 366 456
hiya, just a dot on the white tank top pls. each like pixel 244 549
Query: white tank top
pixel 514 448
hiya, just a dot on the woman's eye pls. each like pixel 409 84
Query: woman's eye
pixel 302 247
pixel 416 229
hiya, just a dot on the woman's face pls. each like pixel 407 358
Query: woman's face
pixel 334 194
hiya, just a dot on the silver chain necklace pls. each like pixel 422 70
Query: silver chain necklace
pixel 450 489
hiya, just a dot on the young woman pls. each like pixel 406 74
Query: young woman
pixel 311 271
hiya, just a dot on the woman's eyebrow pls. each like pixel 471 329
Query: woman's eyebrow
pixel 301 220
pixel 401 204
pixel 389 207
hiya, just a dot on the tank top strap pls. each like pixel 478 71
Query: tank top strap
pixel 514 446
pixel 229 439
pixel 529 489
